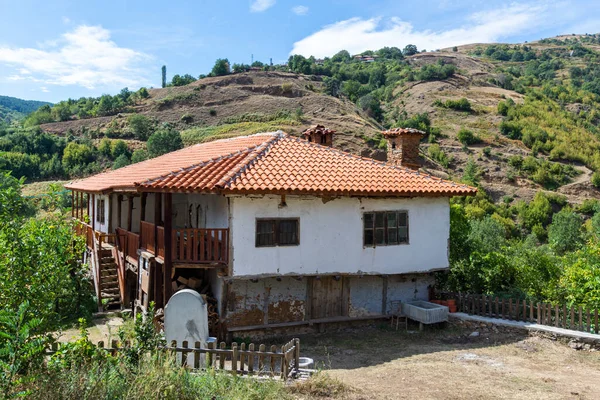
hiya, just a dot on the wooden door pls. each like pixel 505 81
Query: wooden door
pixel 327 298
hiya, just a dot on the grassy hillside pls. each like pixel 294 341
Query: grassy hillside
pixel 14 109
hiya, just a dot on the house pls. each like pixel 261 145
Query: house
pixel 276 230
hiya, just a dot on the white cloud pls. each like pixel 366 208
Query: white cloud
pixel 66 20
pixel 261 5
pixel 85 56
pixel 44 89
pixel 300 10
pixel 357 34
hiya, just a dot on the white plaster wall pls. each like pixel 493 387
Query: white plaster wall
pixel 207 211
pixel 331 236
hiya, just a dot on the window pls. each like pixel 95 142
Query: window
pixel 100 217
pixel 323 139
pixel 277 232
pixel 385 228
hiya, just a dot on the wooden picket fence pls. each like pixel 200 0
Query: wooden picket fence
pixel 283 362
pixel 560 316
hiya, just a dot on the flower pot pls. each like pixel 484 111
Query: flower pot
pixel 451 302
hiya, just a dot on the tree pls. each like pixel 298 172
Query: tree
pixel 466 137
pixel 564 233
pixel 341 56
pixel 164 141
pixel 104 147
pixel 221 67
pixel 390 53
pixel 140 125
pixel 182 80
pixel 410 49
pixel 455 49
pixel 164 75
pixel 120 162
pixel 119 148
pixel 76 155
pixel 139 155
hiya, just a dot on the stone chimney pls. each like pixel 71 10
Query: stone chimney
pixel 403 147
pixel 319 134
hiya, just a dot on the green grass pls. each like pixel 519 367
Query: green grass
pixel 213 132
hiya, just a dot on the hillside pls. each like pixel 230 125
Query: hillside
pixel 545 138
pixel 13 109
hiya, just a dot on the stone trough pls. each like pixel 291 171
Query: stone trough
pixel 425 312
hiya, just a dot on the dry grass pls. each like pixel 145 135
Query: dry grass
pixel 447 364
pixel 320 385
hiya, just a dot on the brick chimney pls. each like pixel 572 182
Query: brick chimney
pixel 319 134
pixel 403 147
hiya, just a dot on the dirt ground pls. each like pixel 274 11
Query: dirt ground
pixel 379 363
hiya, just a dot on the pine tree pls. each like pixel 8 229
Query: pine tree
pixel 164 76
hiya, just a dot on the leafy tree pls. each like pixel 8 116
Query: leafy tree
pixel 564 233
pixel 341 57
pixel 76 155
pixel 121 161
pixel 390 53
pixel 119 148
pixel 139 155
pixel 471 173
pixel 332 86
pixel 410 49
pixel 164 75
pixel 221 67
pixel 455 49
pixel 163 141
pixel 104 147
pixel 140 125
pixel 182 80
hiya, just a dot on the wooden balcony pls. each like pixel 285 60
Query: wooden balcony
pixel 189 246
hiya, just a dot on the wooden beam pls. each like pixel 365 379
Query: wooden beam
pixel 94 212
pixel 143 209
pixel 109 215
pixel 129 212
pixel 119 209
pixel 167 207
pixel 157 215
pixel 309 298
pixel 72 204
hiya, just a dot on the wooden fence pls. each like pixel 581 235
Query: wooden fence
pixel 560 316
pixel 280 362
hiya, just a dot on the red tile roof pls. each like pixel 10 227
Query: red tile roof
pixel 271 163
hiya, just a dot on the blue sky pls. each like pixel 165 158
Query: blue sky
pixel 60 49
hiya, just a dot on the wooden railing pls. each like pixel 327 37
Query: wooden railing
pixel 283 362
pixel 560 316
pixel 160 241
pixel 201 245
pixel 85 230
pixel 147 237
pixel 129 243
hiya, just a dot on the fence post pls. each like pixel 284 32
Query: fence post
pixel 209 355
pixel 261 358
pixel 531 311
pixel 184 353
pixel 596 321
pixel 524 310
pixel 222 356
pixel 251 359
pixel 234 358
pixel 503 309
pixel 580 319
pixel 564 316
pixel 556 316
pixel 297 355
pixel 242 348
pixel 539 314
pixel 588 324
pixel 197 355
pixel 273 359
pixel 114 346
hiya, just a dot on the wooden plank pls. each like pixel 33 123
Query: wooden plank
pixel 588 324
pixel 251 359
pixel 216 246
pixel 184 354
pixel 297 354
pixel 222 356
pixel 524 310
pixel 497 309
pixel 196 354
pixel 564 316
pixel 572 323
pixel 596 321
pixel 194 255
pixel 261 358
pixel 242 356
pixel 234 358
pixel 556 316
pixel 503 315
pixel 168 263
pixel 129 212
pixel 539 315
pixel 580 319
pixel 273 359
pixel 202 245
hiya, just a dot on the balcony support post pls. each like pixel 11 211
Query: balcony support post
pixel 167 207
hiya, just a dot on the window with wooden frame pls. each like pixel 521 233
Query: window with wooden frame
pixel 100 215
pixel 385 228
pixel 277 232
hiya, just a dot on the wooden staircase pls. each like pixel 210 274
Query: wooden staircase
pixel 110 295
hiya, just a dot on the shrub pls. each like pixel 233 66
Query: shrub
pixel 212 112
pixel 187 118
pixel 437 154
pixel 121 161
pixel 119 148
pixel 163 141
pixel 467 137
pixel 140 125
pixel 510 129
pixel 596 179
pixel 487 151
pixel 286 87
pixel 564 233
pixel 139 155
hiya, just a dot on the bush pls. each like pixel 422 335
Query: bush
pixel 286 87
pixel 212 112
pixel 119 148
pixel 121 161
pixel 140 125
pixel 461 104
pixel 467 137
pixel 187 118
pixel 596 179
pixel 564 233
pixel 139 155
pixel 163 141
pixel 437 154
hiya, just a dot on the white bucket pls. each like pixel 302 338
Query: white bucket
pixel 305 362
